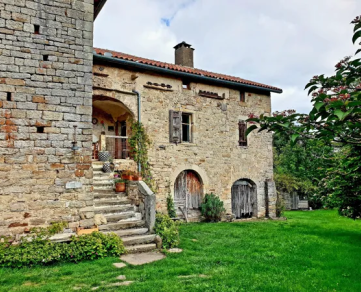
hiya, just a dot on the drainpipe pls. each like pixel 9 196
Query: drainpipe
pixel 139 119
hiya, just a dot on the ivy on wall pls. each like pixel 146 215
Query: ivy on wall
pixel 139 144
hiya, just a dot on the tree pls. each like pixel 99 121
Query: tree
pixel 335 119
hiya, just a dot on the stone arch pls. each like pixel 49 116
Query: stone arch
pixel 244 200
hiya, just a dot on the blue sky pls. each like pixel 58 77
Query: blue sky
pixel 280 42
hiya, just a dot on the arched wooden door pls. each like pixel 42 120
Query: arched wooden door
pixel 188 190
pixel 243 199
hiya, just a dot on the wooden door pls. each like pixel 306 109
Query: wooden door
pixel 243 199
pixel 188 190
pixel 294 201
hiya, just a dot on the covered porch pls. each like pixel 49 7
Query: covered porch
pixel 111 128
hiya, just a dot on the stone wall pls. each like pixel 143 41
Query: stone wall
pixel 45 90
pixel 214 154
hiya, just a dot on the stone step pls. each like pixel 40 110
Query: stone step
pixel 141 248
pixel 121 216
pixel 106 176
pixel 103 188
pixel 109 195
pixel 130 232
pixel 138 239
pixel 111 202
pixel 113 209
pixel 122 225
pixel 103 182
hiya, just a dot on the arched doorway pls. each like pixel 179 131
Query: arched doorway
pixel 244 199
pixel 188 190
pixel 111 118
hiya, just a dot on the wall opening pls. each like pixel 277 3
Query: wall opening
pixel 8 96
pixel 36 29
pixel 188 190
pixel 244 199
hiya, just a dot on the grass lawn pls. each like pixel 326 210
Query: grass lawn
pixel 311 251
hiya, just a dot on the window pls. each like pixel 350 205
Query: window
pixel 180 127
pixel 186 127
pixel 45 58
pixel 111 128
pixel 8 96
pixel 36 29
pixel 39 129
pixel 186 84
pixel 242 128
pixel 242 96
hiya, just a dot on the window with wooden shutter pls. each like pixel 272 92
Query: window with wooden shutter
pixel 242 128
pixel 175 126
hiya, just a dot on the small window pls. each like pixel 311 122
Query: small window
pixel 186 127
pixel 36 29
pixel 46 58
pixel 40 129
pixel 8 96
pixel 242 96
pixel 111 128
pixel 186 84
pixel 242 127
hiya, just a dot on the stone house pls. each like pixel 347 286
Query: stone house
pixel 196 122
pixel 53 100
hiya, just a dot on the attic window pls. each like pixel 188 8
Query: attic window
pixel 8 96
pixel 242 96
pixel 36 29
pixel 186 84
pixel 46 58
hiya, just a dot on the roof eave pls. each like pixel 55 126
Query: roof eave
pixel 98 7
pixel 180 74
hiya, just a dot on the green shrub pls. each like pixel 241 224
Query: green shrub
pixel 167 229
pixel 37 250
pixel 212 208
pixel 170 207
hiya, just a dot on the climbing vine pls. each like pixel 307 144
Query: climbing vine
pixel 139 143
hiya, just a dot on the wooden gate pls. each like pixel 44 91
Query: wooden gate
pixel 294 201
pixel 188 190
pixel 243 199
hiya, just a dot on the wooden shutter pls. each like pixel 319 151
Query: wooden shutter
pixel 175 126
pixel 242 127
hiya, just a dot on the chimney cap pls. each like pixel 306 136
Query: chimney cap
pixel 183 44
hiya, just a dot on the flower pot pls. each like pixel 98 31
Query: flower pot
pixel 107 167
pixel 103 155
pixel 81 230
pixel 127 177
pixel 120 187
pixel 136 178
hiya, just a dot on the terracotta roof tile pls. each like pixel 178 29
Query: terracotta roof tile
pixel 183 69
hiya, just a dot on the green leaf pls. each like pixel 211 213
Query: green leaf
pixel 356 36
pixel 357 26
pixel 318 105
pixel 312 89
pixel 294 137
pixel 342 115
pixel 250 129
pixel 358 51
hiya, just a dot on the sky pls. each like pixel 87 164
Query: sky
pixel 283 43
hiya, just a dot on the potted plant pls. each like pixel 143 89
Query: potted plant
pixel 128 175
pixel 119 184
pixel 137 177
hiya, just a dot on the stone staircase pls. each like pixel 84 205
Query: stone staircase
pixel 122 217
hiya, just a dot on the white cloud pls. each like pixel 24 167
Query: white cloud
pixel 280 42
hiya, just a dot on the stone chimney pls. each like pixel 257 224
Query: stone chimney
pixel 184 54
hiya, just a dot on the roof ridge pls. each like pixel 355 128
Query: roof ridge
pixel 181 68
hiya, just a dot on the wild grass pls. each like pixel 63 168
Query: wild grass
pixel 311 251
